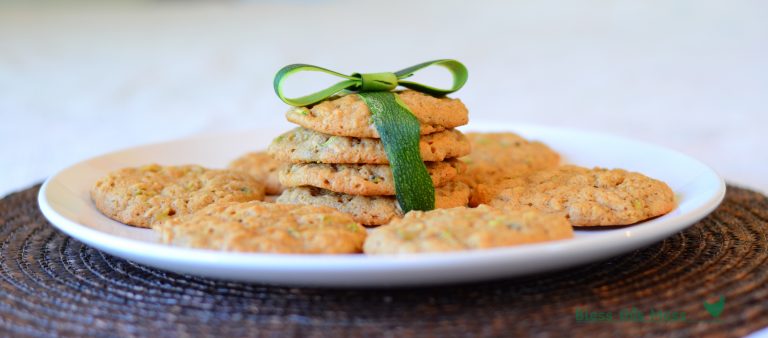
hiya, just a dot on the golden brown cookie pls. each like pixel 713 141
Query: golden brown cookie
pixel 145 195
pixel 589 197
pixel 360 179
pixel 262 167
pixel 304 146
pixel 457 229
pixel 265 227
pixel 509 151
pixel 371 210
pixel 348 115
pixel 497 156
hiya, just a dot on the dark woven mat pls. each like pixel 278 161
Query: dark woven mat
pixel 52 285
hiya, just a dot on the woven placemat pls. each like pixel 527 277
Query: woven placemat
pixel 52 285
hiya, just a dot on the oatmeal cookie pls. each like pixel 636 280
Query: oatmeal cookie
pixel 360 179
pixel 304 146
pixel 371 210
pixel 461 228
pixel 262 167
pixel 589 197
pixel 145 195
pixel 497 156
pixel 265 227
pixel 348 115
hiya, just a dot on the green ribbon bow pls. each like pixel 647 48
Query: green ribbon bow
pixel 371 82
pixel 398 128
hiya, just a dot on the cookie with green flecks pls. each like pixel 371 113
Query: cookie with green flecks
pixel 458 229
pixel 262 167
pixel 348 115
pixel 360 179
pixel 305 146
pixel 496 156
pixel 588 197
pixel 265 227
pixel 146 195
pixel 371 210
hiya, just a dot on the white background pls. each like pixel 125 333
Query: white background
pixel 81 79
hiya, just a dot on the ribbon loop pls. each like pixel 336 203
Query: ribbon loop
pixel 457 69
pixel 370 82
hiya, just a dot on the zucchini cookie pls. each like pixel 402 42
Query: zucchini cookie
pixel 265 227
pixel 589 197
pixel 465 229
pixel 497 156
pixel 262 167
pixel 145 195
pixel 360 179
pixel 508 151
pixel 348 115
pixel 371 210
pixel 302 145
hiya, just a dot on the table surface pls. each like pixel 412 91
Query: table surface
pixel 84 79
pixel 53 285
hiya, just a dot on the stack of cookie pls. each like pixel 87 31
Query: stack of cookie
pixel 337 159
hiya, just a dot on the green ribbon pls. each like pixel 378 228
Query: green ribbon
pixel 398 128
pixel 370 82
pixel 400 132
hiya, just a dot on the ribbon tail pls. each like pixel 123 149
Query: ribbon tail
pixel 400 134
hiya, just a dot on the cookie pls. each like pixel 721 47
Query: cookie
pixel 497 156
pixel 457 229
pixel 262 167
pixel 302 145
pixel 265 227
pixel 145 195
pixel 589 197
pixel 508 151
pixel 360 179
pixel 348 115
pixel 371 210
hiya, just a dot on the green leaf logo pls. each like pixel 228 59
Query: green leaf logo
pixel 716 308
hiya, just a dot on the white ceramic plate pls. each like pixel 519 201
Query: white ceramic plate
pixel 64 200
